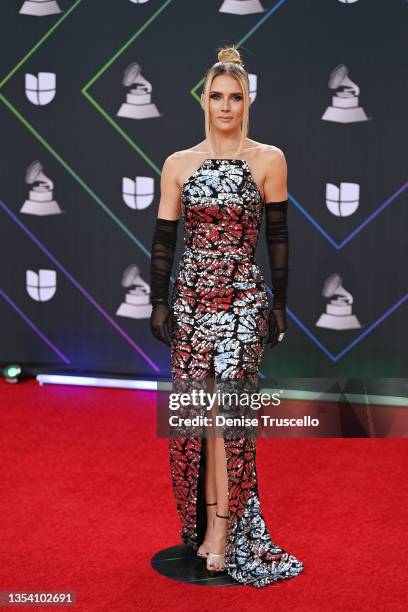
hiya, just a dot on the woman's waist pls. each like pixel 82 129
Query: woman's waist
pixel 221 252
pixel 197 271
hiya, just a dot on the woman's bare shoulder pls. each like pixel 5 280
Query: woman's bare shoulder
pixel 186 154
pixel 266 152
pixel 172 164
pixel 271 161
pixel 181 162
pixel 275 174
pixel 178 159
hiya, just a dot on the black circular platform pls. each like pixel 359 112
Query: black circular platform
pixel 181 563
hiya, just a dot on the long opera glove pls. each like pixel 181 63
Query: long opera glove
pixel 277 240
pixel 162 256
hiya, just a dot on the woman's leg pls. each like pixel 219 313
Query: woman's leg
pixel 216 484
pixel 210 486
pixel 210 495
pixel 220 524
pixel 220 527
pixel 221 479
pixel 216 479
pixel 209 483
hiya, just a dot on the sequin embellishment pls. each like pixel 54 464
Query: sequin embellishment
pixel 219 308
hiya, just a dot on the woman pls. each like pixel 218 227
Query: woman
pixel 217 319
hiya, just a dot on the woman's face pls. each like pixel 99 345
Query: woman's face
pixel 226 102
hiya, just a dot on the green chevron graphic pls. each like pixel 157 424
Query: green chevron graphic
pixel 122 226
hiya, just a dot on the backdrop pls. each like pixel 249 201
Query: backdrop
pixel 95 94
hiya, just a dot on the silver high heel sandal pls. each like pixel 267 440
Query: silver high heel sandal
pixel 215 561
pixel 204 548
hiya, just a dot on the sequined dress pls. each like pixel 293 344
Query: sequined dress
pixel 219 306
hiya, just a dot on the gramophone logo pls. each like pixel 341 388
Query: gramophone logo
pixel 253 85
pixel 342 201
pixel 138 193
pixel 41 89
pixel 41 287
pixel 338 313
pixel 345 107
pixel 138 103
pixel 40 8
pixel 137 302
pixel 40 201
pixel 139 1
pixel 241 7
pixel 348 1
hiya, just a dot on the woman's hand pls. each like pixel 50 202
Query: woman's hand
pixel 277 326
pixel 161 324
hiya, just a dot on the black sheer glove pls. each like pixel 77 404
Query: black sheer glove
pixel 161 324
pixel 277 240
pixel 277 326
pixel 162 256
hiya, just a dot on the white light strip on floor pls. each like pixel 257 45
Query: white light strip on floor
pixel 90 381
pixel 152 385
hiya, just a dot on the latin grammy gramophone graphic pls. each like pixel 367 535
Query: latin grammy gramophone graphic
pixel 40 201
pixel 40 8
pixel 41 286
pixel 342 201
pixel 138 193
pixel 138 103
pixel 344 107
pixel 41 89
pixel 338 313
pixel 241 7
pixel 253 85
pixel 139 1
pixel 137 304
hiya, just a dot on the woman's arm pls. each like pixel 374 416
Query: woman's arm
pixel 162 250
pixel 276 176
pixel 170 204
pixel 277 240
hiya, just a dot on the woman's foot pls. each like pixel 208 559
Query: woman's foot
pixel 205 547
pixel 215 559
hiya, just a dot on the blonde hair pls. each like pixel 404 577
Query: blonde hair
pixel 229 62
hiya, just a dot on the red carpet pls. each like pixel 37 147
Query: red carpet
pixel 87 501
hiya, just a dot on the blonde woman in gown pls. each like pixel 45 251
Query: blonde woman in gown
pixel 217 321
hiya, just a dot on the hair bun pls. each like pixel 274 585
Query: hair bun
pixel 229 54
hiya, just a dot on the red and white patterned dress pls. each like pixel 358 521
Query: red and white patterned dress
pixel 219 307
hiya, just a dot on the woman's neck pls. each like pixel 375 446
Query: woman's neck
pixel 222 146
